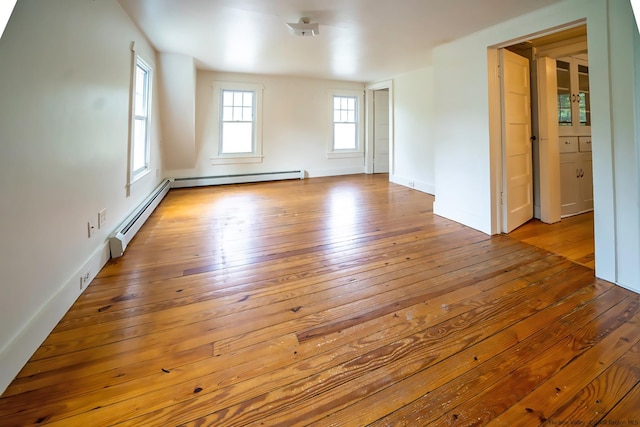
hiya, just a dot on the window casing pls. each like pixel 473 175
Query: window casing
pixel 140 119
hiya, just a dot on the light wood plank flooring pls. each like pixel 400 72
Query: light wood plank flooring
pixel 332 302
pixel 572 237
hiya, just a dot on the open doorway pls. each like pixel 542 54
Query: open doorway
pixel 562 189
pixel 379 135
pixel 381 131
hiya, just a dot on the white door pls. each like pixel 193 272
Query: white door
pixel 381 131
pixel 517 186
pixel 548 151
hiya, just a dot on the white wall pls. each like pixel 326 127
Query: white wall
pixel 296 127
pixel 468 190
pixel 177 90
pixel 414 139
pixel 625 143
pixel 64 109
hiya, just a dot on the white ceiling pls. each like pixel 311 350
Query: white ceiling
pixel 360 40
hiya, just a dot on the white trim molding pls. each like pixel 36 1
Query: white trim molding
pixel 368 160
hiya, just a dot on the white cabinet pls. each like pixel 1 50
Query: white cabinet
pixel 574 104
pixel 576 178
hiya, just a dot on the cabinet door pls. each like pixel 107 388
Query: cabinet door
pixel 574 103
pixel 565 90
pixel 569 189
pixel 586 182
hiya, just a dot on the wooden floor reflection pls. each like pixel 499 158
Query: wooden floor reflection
pixel 332 301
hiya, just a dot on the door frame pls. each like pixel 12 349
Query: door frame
pixel 370 121
pixel 495 127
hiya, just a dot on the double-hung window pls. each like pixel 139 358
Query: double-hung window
pixel 140 125
pixel 239 121
pixel 345 123
pixel 346 138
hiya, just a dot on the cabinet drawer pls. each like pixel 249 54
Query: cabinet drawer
pixel 568 144
pixel 584 143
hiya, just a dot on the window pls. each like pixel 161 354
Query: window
pixel 237 122
pixel 140 126
pixel 345 131
pixel 346 136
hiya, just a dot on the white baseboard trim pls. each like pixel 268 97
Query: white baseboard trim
pixel 236 178
pixel 413 183
pixel 24 343
pixel 317 173
pixel 634 289
pixel 461 215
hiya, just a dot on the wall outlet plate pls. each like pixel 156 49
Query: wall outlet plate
pixel 102 218
pixel 84 280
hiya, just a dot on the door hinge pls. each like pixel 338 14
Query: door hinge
pixel 501 198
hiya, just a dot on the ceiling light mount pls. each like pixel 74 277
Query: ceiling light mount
pixel 304 28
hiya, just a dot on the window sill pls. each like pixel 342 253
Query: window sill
pixel 235 160
pixel 344 154
pixel 139 177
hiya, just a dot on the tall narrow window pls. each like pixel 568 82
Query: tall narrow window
pixel 237 122
pixel 141 104
pixel 345 122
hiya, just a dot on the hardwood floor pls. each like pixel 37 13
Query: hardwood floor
pixel 572 237
pixel 333 301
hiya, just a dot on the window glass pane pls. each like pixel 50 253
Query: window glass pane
pixel 351 103
pixel 564 80
pixel 227 98
pixel 140 100
pixel 237 137
pixel 237 113
pixel 237 122
pixel 237 98
pixel 227 114
pixel 139 144
pixel 336 102
pixel 564 108
pixel 351 116
pixel 247 114
pixel 585 113
pixel 140 125
pixel 247 99
pixel 584 104
pixel 344 136
pixel 139 105
pixel 141 79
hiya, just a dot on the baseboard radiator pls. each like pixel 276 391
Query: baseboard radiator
pixel 236 179
pixel 120 238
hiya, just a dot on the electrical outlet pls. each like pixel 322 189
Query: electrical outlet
pixel 91 229
pixel 84 280
pixel 102 218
